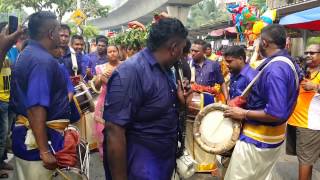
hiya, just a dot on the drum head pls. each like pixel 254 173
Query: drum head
pixel 69 173
pixel 213 132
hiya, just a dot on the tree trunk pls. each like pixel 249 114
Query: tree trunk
pixel 60 18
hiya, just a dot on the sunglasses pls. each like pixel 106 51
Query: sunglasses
pixel 311 53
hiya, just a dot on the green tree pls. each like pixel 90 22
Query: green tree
pixel 88 31
pixel 205 12
pixel 258 3
pixel 5 8
pixel 36 5
pixel 92 8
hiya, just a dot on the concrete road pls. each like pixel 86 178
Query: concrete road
pixel 286 169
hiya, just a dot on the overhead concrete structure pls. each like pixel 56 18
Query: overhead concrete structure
pixel 143 10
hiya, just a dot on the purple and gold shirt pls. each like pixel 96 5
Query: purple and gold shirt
pixel 275 93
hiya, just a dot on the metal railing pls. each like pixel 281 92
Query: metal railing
pixel 273 4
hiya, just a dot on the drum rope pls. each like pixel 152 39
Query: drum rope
pixel 63 174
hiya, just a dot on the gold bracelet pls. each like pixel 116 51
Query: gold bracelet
pixel 245 115
pixel 43 153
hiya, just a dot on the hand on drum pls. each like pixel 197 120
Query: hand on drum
pixel 235 113
pixel 49 161
pixel 184 94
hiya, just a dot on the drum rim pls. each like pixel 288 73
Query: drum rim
pixel 218 148
pixel 72 169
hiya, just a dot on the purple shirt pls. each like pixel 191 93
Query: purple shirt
pixel 238 82
pixel 66 60
pixel 38 80
pixel 91 60
pixel 142 98
pixel 209 74
pixel 275 92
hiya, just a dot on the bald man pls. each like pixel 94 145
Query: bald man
pixel 303 135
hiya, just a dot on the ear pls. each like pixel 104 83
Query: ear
pixel 50 34
pixel 264 43
pixel 173 47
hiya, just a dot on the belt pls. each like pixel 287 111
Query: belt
pixel 265 134
pixel 58 125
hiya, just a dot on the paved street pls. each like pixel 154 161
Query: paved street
pixel 286 169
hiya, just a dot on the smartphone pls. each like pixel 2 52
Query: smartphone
pixel 13 24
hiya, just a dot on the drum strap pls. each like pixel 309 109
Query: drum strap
pixel 246 92
pixel 74 61
pixel 193 72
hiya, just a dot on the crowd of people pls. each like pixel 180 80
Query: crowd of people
pixel 141 94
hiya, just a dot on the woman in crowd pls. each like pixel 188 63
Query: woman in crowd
pixel 104 72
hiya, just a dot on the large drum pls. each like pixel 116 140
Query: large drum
pixel 83 98
pixel 203 161
pixel 198 102
pixel 85 103
pixel 213 132
pixel 81 170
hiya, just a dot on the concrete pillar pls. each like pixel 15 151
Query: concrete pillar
pixel 179 12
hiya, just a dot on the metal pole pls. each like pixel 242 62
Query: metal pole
pixel 78 4
pixel 79 7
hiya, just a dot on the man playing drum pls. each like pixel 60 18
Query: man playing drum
pixel 241 72
pixel 205 74
pixel 269 105
pixel 40 99
pixel 203 71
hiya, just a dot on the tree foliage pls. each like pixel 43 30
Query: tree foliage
pixel 258 3
pixel 205 12
pixel 88 31
pixel 4 8
pixel 135 38
pixel 92 8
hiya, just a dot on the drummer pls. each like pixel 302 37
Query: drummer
pixel 241 72
pixel 269 105
pixel 41 101
pixel 203 71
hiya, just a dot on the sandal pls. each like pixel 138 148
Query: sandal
pixel 6 166
pixel 3 174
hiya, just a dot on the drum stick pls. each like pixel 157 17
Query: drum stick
pixel 62 174
pixel 178 68
pixel 49 142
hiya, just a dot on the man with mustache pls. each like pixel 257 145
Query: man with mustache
pixel 303 135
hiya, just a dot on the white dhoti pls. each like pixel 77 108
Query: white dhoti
pixel 27 170
pixel 249 162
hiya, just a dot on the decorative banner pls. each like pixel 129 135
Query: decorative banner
pixel 257 27
pixel 269 16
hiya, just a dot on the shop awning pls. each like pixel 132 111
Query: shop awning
pixel 308 19
pixel 220 32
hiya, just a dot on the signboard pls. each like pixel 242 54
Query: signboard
pixel 225 42
pixel 236 1
pixel 78 16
